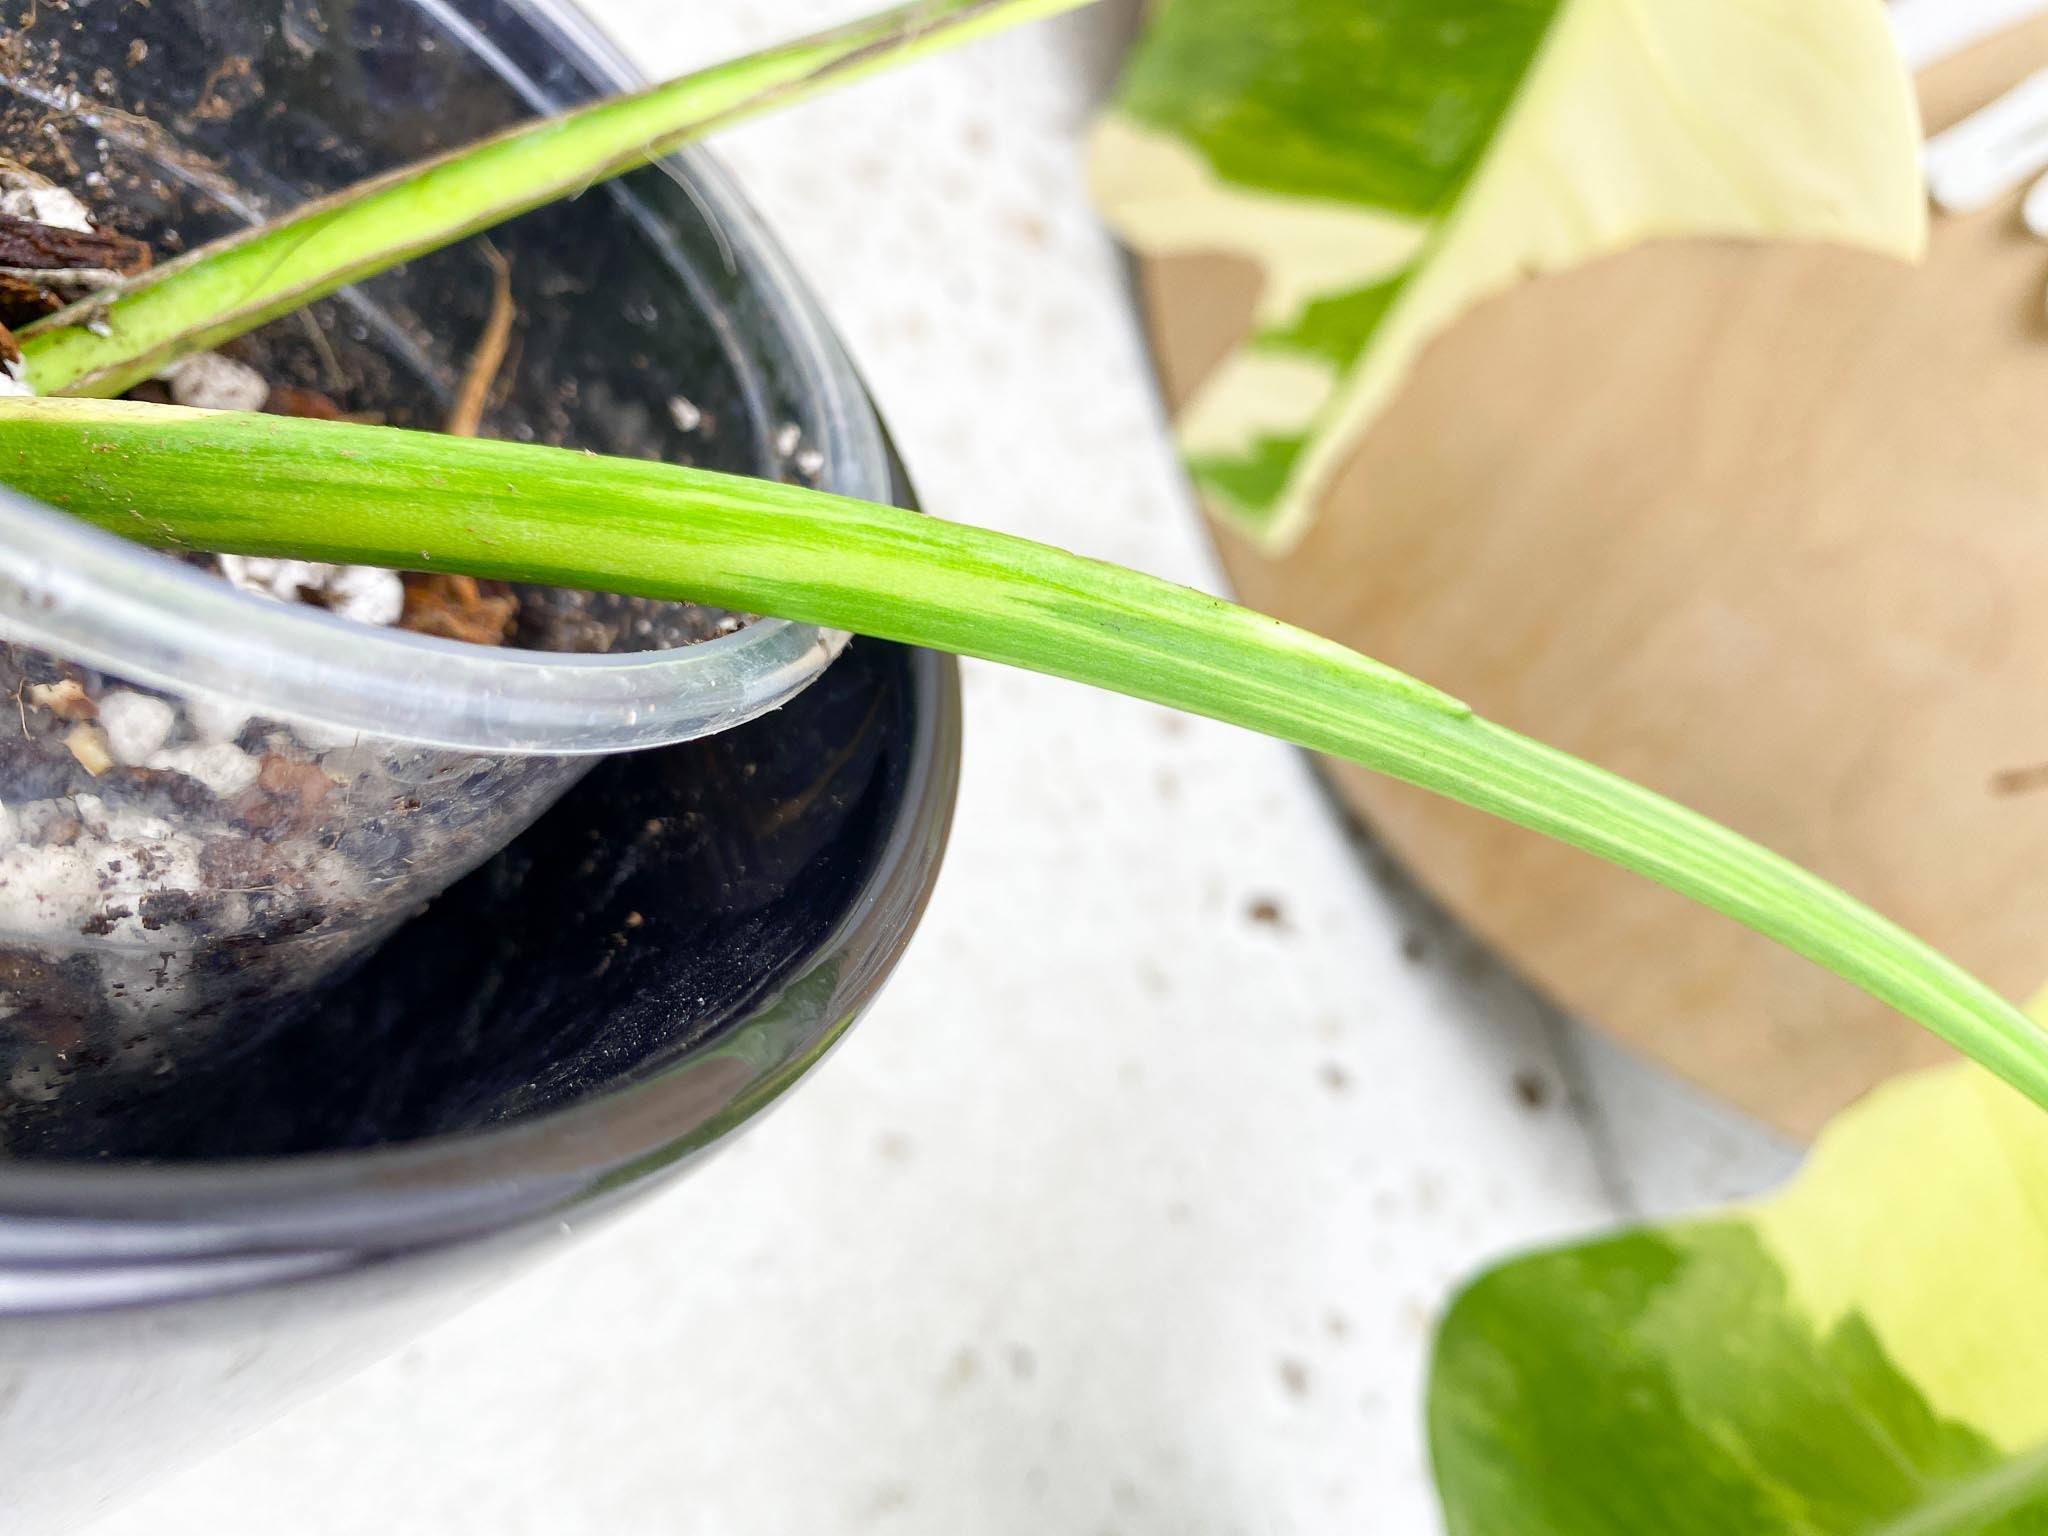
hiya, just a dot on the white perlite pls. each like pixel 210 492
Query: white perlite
pixel 46 892
pixel 366 594
pixel 136 724
pixel 224 769
pixel 215 719
pixel 360 592
pixel 116 858
pixel 211 382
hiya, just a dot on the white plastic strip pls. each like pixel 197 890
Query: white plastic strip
pixel 1992 151
pixel 1930 30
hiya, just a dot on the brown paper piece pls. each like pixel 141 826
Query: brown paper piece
pixel 1765 528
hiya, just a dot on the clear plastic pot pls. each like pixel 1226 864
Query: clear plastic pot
pixel 210 803
pixel 613 996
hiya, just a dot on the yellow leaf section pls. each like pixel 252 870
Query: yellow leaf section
pixel 1925 1210
pixel 1166 201
pixel 1648 119
pixel 1272 393
pixel 1640 119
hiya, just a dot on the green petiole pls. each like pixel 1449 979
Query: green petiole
pixel 123 335
pixel 264 485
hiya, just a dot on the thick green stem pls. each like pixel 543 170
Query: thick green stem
pixel 126 334
pixel 270 486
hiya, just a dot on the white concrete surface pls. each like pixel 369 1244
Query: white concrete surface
pixel 1126 1211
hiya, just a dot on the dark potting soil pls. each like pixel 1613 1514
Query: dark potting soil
pixel 395 352
pixel 172 870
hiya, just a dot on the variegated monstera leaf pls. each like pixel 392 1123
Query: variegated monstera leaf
pixel 1865 1355
pixel 1387 163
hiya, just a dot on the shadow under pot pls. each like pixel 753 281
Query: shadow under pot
pixel 214 804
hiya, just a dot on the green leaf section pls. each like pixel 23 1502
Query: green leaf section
pixel 1388 163
pixel 1860 1356
pixel 268 485
pixel 123 335
pixel 1387 106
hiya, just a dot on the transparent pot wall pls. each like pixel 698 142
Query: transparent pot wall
pixel 211 804
pixel 173 865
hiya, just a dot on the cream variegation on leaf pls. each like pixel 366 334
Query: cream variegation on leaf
pixel 1861 1355
pixel 1388 163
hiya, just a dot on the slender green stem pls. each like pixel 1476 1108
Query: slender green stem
pixel 122 335
pixel 266 485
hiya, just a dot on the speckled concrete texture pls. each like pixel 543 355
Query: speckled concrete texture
pixel 1128 1209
